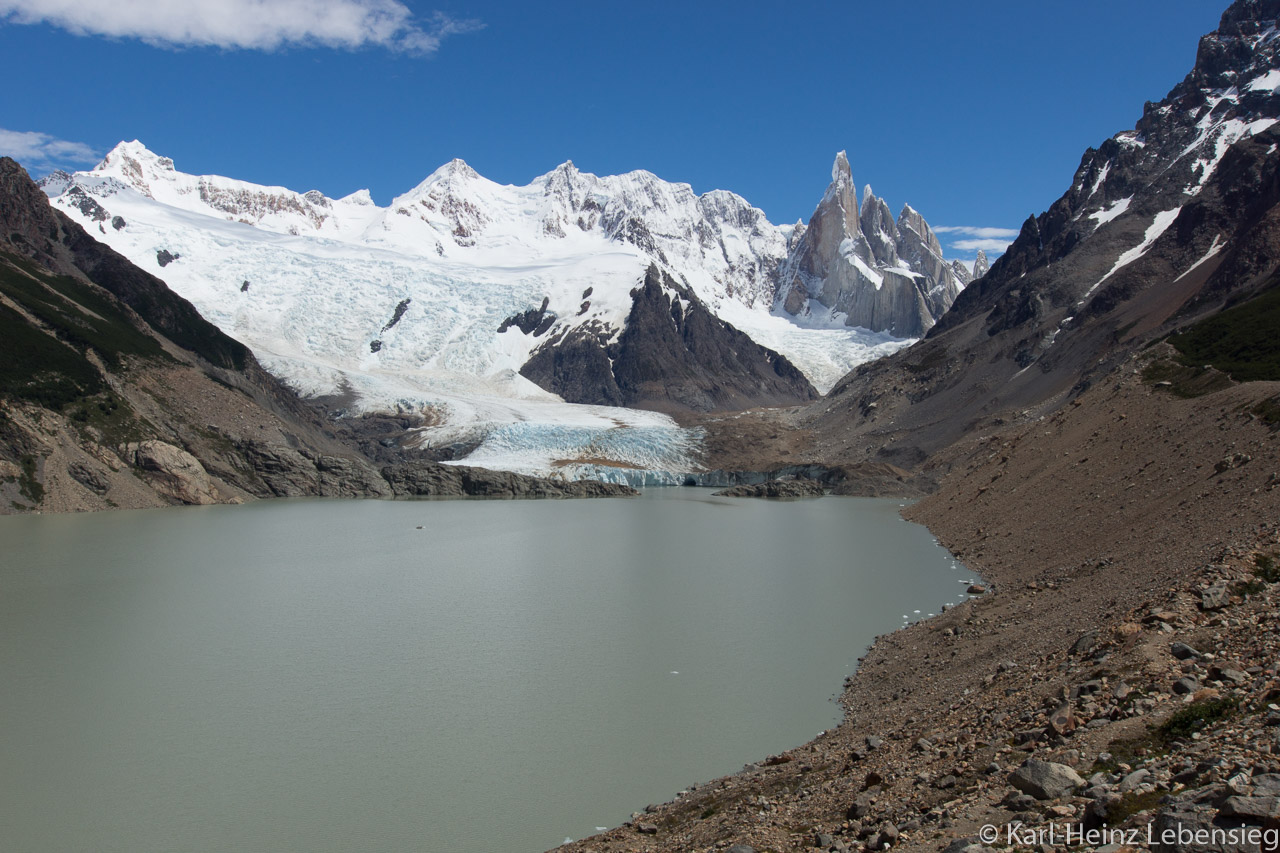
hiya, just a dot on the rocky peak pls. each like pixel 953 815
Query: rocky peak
pixel 451 178
pixel 881 274
pixel 569 186
pixel 55 183
pixel 981 265
pixel 833 229
pixel 457 167
pixel 1133 188
pixel 841 191
pixel 919 246
pixel 137 165
pixel 878 227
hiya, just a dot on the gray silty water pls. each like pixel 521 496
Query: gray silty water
pixel 325 676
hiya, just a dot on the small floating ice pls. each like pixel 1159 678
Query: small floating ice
pixel 601 828
pixel 915 611
pixel 674 672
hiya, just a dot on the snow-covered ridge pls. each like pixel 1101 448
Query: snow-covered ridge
pixel 399 307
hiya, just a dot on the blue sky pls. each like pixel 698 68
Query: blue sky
pixel 976 114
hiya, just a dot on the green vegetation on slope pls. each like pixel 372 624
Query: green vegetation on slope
pixel 37 368
pixel 47 363
pixel 68 307
pixel 1243 341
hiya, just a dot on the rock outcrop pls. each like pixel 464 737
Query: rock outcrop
pixel 171 471
pixel 799 488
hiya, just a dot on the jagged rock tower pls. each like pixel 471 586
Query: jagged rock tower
pixel 883 275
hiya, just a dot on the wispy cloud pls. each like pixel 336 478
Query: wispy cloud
pixel 41 152
pixel 971 231
pixel 974 245
pixel 246 24
pixel 989 240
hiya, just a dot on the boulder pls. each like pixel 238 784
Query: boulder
pixel 1251 809
pixel 172 472
pixel 1045 780
pixel 1215 597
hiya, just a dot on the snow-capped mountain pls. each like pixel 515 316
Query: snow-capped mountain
pixel 879 274
pixel 463 296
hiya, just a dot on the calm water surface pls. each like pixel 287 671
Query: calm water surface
pixel 324 676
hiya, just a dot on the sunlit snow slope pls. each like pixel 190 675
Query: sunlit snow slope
pixel 399 307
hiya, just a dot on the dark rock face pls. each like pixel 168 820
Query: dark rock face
pixel 397 314
pixel 1161 226
pixel 87 205
pixel 776 489
pixel 30 227
pixel 534 321
pixel 673 355
pixel 164 257
pixel 885 275
pixel 431 480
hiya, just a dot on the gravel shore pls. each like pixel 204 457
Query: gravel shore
pixel 1111 530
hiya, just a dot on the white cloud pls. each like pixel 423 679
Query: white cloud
pixel 42 152
pixel 245 24
pixel 971 231
pixel 985 245
pixel 993 241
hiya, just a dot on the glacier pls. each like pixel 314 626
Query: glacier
pixel 398 308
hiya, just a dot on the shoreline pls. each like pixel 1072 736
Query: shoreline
pixel 938 713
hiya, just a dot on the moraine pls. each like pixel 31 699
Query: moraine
pixel 390 676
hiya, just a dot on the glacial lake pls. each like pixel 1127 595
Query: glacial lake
pixel 325 676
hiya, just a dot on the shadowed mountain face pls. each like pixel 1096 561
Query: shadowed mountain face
pixel 672 355
pixel 1162 225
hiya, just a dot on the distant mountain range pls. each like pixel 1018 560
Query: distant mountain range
pixel 480 310
pixel 465 254
pixel 555 328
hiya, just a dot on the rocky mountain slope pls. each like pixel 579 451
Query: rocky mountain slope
pixel 115 392
pixel 1107 535
pixel 1162 225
